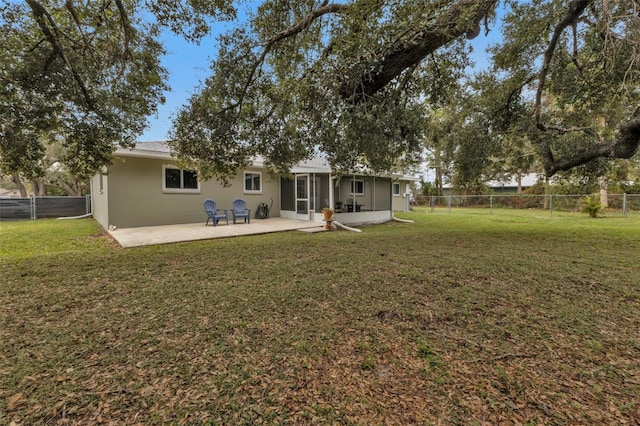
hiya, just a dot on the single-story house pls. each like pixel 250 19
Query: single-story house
pixel 144 187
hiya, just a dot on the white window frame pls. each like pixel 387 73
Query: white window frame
pixel 353 185
pixel 395 185
pixel 182 189
pixel 244 182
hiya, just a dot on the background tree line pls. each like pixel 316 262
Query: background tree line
pixel 366 82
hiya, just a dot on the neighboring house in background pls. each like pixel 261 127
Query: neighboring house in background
pixel 511 186
pixel 9 193
pixel 144 187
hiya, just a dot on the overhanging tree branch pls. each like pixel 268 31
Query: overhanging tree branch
pixel 456 22
pixel 402 55
pixel 625 145
pixel 50 30
pixel 574 11
pixel 562 130
pixel 126 28
pixel 324 9
pixel 627 140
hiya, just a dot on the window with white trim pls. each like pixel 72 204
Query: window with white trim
pixel 252 182
pixel 179 180
pixel 358 184
pixel 396 189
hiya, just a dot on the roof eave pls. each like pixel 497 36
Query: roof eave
pixel 143 154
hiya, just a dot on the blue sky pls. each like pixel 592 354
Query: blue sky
pixel 188 65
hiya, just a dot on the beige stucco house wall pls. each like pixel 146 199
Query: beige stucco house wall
pixel 133 192
pixel 401 196
pixel 99 187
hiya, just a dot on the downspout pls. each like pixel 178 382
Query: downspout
pixel 348 228
pixel 76 217
pixel 397 219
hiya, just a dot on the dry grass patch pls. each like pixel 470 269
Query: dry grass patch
pixel 457 319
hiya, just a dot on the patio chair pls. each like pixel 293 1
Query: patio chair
pixel 351 207
pixel 240 210
pixel 214 213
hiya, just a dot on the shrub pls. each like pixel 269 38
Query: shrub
pixel 592 205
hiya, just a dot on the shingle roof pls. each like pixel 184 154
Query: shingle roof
pixel 160 149
pixel 156 146
pixel 147 149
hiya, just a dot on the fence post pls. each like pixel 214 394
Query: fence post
pixel 432 202
pixel 87 204
pixel 491 204
pixel 551 204
pixel 624 205
pixel 449 204
pixel 33 207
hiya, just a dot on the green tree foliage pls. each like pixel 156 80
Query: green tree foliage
pixel 356 80
pixel 569 74
pixel 347 79
pixel 353 79
pixel 85 74
pixel 560 95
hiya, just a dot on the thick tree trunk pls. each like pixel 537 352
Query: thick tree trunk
pixel 15 177
pixel 604 194
pixel 74 188
pixel 438 170
pixel 38 187
pixel 545 204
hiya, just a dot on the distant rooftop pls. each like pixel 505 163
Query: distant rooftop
pixel 528 180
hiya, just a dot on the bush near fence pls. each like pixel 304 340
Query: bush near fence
pixel 43 207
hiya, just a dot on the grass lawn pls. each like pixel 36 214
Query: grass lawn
pixel 464 318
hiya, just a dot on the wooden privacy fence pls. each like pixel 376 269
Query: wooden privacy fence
pixel 43 207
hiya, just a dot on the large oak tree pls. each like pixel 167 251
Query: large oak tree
pixel 356 79
pixel 352 79
pixel 84 74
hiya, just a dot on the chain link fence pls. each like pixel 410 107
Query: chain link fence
pixel 43 207
pixel 617 204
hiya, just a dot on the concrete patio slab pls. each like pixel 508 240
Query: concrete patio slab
pixel 149 235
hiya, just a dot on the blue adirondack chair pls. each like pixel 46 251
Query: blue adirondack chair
pixel 214 213
pixel 240 210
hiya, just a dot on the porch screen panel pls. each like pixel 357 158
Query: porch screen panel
pixel 383 198
pixel 302 195
pixel 302 207
pixel 287 194
pixel 322 194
